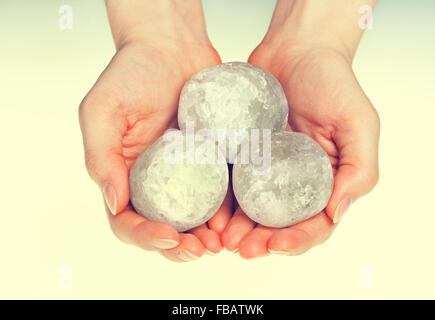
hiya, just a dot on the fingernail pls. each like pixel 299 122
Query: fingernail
pixel 210 252
pixel 110 197
pixel 187 256
pixel 278 252
pixel 342 208
pixel 165 243
pixel 235 250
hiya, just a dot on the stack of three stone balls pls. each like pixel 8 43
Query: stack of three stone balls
pixel 182 179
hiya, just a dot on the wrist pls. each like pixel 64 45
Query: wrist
pixel 149 21
pixel 311 24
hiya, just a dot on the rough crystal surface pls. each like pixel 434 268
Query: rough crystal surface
pixel 232 96
pixel 182 195
pixel 297 186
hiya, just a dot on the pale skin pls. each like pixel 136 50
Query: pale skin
pixel 309 47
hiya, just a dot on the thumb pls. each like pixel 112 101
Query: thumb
pixel 102 138
pixel 357 172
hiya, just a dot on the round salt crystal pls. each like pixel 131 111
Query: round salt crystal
pixel 183 194
pixel 297 186
pixel 230 97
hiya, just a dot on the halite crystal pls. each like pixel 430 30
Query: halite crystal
pixel 297 186
pixel 184 195
pixel 233 96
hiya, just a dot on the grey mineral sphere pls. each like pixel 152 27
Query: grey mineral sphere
pixel 297 186
pixel 233 96
pixel 184 195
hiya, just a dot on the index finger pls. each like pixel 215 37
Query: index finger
pixel 134 229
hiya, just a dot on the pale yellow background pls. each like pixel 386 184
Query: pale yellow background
pixel 52 214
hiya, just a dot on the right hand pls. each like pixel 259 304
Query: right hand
pixel 132 104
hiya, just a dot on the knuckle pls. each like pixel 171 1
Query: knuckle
pixel 83 108
pixel 377 118
pixel 89 106
pixel 91 163
pixel 374 120
pixel 119 235
pixel 374 177
pixel 371 178
pixel 324 237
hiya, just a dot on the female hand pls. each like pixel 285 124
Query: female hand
pixel 133 102
pixel 326 103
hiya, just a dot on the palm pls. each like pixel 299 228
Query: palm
pixel 322 91
pixel 134 101
pixel 318 93
pixel 146 84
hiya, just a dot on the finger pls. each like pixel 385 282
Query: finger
pixel 220 220
pixel 170 256
pixel 102 138
pixel 358 170
pixel 209 238
pixel 134 229
pixel 300 237
pixel 254 244
pixel 236 229
pixel 189 249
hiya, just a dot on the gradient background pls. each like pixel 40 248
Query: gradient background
pixel 52 214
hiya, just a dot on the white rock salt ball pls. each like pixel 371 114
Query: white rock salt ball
pixel 297 186
pixel 233 96
pixel 181 194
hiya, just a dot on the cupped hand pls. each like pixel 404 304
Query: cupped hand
pixel 327 103
pixel 133 102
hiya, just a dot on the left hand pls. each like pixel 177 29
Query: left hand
pixel 326 103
